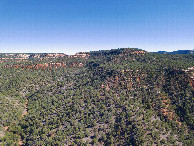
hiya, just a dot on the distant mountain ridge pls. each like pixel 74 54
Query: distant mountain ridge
pixel 176 52
pixel 85 54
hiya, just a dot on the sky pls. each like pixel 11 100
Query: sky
pixel 71 26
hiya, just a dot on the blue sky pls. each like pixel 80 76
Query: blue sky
pixel 70 26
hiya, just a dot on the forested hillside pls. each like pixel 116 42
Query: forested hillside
pixel 113 97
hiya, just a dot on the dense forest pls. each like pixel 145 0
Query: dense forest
pixel 113 97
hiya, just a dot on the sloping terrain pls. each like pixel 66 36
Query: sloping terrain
pixel 116 97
